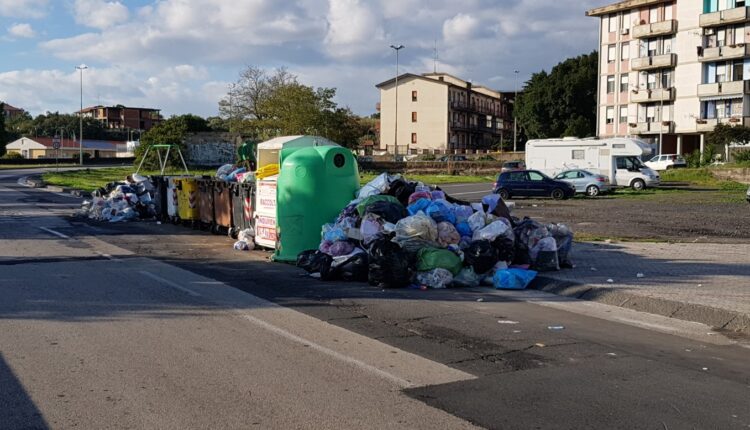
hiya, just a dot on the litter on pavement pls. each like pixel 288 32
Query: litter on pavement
pixel 398 233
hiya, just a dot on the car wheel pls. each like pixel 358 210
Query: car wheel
pixel 638 185
pixel 504 194
pixel 592 191
pixel 669 167
pixel 558 194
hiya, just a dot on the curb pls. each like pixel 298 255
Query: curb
pixel 37 182
pixel 719 319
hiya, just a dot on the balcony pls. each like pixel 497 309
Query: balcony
pixel 654 62
pixel 654 95
pixel 724 17
pixel 704 125
pixel 728 52
pixel 661 28
pixel 652 127
pixel 724 88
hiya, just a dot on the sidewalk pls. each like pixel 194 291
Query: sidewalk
pixel 707 283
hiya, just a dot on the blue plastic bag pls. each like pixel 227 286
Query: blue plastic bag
pixel 419 205
pixel 513 279
pixel 462 212
pixel 464 229
pixel 441 210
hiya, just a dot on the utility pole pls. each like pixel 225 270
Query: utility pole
pixel 395 140
pixel 515 114
pixel 81 68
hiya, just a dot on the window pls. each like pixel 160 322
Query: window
pixel 612 23
pixel 653 14
pixel 517 176
pixel 624 51
pixel 625 21
pixel 610 115
pixel 611 53
pixel 414 96
pixel 414 138
pixel 623 114
pixel 579 154
pixel 535 176
pixel 737 67
pixel 721 72
pixel 610 84
pixel 667 12
pixel 651 114
pixel 666 79
pixel 651 81
pixel 623 83
pixel 652 47
pixel 413 117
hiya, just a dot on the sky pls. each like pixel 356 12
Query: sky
pixel 181 55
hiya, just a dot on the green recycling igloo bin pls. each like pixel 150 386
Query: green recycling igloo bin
pixel 314 185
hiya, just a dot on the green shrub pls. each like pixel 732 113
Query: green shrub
pixel 13 156
pixel 742 156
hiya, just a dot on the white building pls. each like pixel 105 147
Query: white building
pixel 672 70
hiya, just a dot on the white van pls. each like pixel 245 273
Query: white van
pixel 617 158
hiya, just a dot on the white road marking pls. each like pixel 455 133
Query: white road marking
pixel 56 233
pixel 403 383
pixel 444 186
pixel 170 283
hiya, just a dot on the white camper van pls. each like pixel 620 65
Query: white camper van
pixel 617 158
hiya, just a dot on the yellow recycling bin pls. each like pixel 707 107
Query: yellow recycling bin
pixel 187 199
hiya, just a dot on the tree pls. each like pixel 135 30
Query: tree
pixel 169 132
pixel 561 103
pixel 262 105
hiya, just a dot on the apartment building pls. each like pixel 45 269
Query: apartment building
pixel 439 113
pixel 671 71
pixel 121 117
pixel 11 111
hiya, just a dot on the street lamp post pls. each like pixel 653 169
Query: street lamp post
pixel 395 137
pixel 81 68
pixel 515 114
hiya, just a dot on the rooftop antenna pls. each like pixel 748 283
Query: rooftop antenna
pixel 435 59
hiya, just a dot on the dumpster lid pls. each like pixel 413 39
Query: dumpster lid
pixel 295 141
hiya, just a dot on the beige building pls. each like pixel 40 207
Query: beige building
pixel 43 147
pixel 439 113
pixel 672 70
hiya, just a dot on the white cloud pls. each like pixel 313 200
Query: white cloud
pixel 99 13
pixel 461 27
pixel 23 8
pixel 21 30
pixel 354 29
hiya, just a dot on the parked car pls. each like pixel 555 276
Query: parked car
pixel 532 183
pixel 453 157
pixel 586 182
pixel 511 166
pixel 666 162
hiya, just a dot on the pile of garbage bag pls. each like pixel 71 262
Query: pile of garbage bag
pixel 399 233
pixel 121 201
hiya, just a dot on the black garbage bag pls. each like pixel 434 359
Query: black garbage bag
pixel 401 190
pixel 354 268
pixel 312 261
pixel 481 255
pixel 388 264
pixel 505 246
pixel 454 200
pixel 389 211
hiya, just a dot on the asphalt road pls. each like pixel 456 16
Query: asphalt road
pixel 468 192
pixel 156 326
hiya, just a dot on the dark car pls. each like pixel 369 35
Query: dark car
pixel 511 166
pixel 532 183
pixel 453 157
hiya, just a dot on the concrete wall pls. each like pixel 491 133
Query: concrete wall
pixel 489 168
pixel 211 149
pixel 736 174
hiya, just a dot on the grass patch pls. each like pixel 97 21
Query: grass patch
pixel 33 166
pixel 366 177
pixel 701 178
pixel 586 237
pixel 91 179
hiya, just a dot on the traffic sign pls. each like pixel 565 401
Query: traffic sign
pixel 56 142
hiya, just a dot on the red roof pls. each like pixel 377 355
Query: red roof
pixel 70 143
pixel 11 108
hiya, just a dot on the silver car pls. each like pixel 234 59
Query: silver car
pixel 592 184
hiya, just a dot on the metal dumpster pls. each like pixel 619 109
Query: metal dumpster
pixel 205 202
pixel 172 202
pixel 187 200
pixel 243 197
pixel 222 199
pixel 160 197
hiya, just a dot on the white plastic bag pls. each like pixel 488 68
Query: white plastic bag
pixel 377 186
pixel 492 231
pixel 477 221
pixel 415 232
